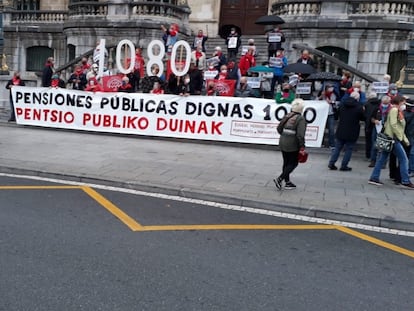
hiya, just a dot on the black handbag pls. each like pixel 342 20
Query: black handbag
pixel 384 142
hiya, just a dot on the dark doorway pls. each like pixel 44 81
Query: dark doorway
pixel 339 53
pixel 397 60
pixel 243 13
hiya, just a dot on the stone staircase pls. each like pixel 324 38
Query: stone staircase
pixel 259 40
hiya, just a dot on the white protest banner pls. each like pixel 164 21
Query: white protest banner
pixel 303 88
pixel 219 118
pixel 275 62
pixel 380 87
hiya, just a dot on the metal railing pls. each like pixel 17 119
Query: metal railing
pixel 333 60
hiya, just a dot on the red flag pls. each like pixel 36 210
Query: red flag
pixel 224 87
pixel 112 83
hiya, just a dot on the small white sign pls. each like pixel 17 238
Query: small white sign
pixel 275 37
pixel 210 74
pixel 303 88
pixel 254 82
pixel 380 87
pixel 276 62
pixel 232 43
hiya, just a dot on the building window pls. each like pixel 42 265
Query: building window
pixel 27 5
pixel 397 60
pixel 36 57
pixel 71 52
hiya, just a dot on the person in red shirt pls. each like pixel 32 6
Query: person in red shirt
pixel 125 86
pixel 85 65
pixel 15 80
pixel 138 71
pixel 247 61
pixel 157 89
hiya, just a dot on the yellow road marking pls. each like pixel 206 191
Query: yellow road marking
pixel 135 226
pixel 376 241
pixel 37 187
pixel 235 227
pixel 113 209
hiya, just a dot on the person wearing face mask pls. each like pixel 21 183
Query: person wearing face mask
pixel 15 80
pixel 222 75
pixel 395 127
pixel 200 39
pixel 329 96
pixel 78 79
pixel 184 85
pixel 48 71
pixel 198 57
pixel 345 84
pixel 286 95
pixel 247 61
pixel 392 91
pixel 219 57
pixel 275 38
pixel 125 86
pixel 233 42
pixel 243 90
pixel 356 87
pixel 278 63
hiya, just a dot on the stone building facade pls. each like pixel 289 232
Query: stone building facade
pixel 372 36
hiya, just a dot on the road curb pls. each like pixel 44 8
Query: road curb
pixel 384 222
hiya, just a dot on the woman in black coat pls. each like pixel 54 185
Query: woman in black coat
pixel 350 114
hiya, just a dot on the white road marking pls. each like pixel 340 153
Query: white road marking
pixel 221 205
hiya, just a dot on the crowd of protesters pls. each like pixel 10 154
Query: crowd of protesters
pixel 349 105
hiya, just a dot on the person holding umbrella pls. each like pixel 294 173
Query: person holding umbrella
pixel 275 38
pixel 233 43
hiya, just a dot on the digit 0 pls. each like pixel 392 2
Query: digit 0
pixel 187 58
pixel 155 59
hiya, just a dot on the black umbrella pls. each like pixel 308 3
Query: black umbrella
pixel 299 68
pixel 224 30
pixel 269 20
pixel 324 76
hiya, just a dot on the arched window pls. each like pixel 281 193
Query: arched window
pixel 336 52
pixel 36 57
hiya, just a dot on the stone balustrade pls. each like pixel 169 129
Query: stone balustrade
pixel 38 16
pixel 88 9
pixel 389 9
pixel 295 8
pixel 142 8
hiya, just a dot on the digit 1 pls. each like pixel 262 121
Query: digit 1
pixel 267 111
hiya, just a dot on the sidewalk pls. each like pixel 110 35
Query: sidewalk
pixel 226 173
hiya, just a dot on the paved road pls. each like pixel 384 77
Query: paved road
pixel 233 174
pixel 72 248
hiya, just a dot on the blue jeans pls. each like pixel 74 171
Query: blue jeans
pixel 399 152
pixel 374 151
pixel 339 144
pixel 411 156
pixel 330 124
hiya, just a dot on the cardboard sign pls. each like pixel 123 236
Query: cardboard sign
pixel 303 88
